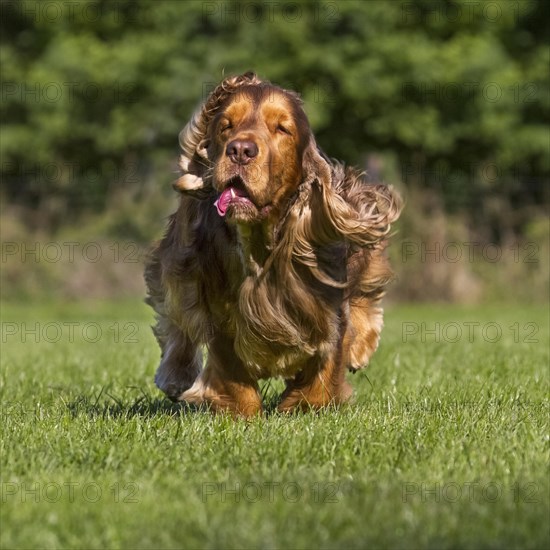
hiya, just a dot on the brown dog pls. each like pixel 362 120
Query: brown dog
pixel 273 262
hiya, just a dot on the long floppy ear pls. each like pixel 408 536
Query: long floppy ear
pixel 194 161
pixel 193 164
pixel 343 207
pixel 337 207
pixel 315 165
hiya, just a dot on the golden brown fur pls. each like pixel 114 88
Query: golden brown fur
pixel 283 279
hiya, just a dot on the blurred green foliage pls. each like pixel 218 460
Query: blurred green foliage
pixel 94 94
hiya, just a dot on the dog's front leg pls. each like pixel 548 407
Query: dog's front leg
pixel 180 364
pixel 225 384
pixel 322 382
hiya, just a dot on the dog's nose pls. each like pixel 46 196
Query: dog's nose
pixel 241 151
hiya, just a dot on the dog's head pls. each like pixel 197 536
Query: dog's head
pixel 252 145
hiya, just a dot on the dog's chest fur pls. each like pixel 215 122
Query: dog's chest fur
pixel 268 306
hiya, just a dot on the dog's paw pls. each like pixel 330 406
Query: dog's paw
pixel 170 385
pixel 314 396
pixel 196 394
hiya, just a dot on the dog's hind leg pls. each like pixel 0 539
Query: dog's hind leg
pixel 362 334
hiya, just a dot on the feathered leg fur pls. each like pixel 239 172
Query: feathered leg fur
pixel 224 384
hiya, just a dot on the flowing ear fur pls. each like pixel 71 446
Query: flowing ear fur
pixel 336 205
pixel 194 161
pixel 315 165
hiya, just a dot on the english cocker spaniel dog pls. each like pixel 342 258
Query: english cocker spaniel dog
pixel 274 261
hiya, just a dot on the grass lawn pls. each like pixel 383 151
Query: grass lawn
pixel 446 445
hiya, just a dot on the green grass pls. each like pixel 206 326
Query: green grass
pixel 446 445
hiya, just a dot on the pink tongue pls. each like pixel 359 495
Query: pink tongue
pixel 225 198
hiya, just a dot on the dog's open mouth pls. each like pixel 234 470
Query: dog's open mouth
pixel 233 195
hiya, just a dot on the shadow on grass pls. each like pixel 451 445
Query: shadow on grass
pixel 107 405
pixel 104 404
pixel 144 408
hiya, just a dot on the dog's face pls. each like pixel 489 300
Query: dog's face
pixel 256 144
